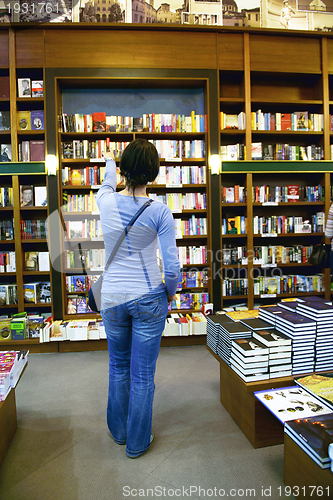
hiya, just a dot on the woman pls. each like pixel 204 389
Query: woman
pixel 134 297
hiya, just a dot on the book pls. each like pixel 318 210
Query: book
pixel 37 119
pixel 4 120
pixel 24 87
pixel 293 192
pixel 301 120
pixel 4 87
pixel 31 292
pixel 40 196
pixel 26 196
pixel 99 122
pixel 250 347
pixel 272 338
pixel 318 384
pixel 37 88
pixel 5 152
pixel 314 435
pixel 23 120
pixel 256 323
pixel 5 332
pixel 286 121
pixel 291 403
pixel 31 261
pixel 37 150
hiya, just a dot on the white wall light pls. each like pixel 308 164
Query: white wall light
pixel 215 164
pixel 51 164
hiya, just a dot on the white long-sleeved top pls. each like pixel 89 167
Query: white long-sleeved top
pixel 134 268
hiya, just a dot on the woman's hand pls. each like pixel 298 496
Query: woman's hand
pixel 108 155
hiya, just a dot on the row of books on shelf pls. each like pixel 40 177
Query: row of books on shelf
pixel 298 120
pixel 6 229
pixel 193 279
pixel 89 259
pixel 283 224
pixel 194 226
pixel 178 175
pixel 286 152
pixel 31 150
pixel 27 87
pixel 38 292
pixel 30 120
pixel 266 256
pixel 274 285
pixel 270 152
pixel 148 122
pixel 192 255
pixel 12 364
pixel 6 196
pixel 87 228
pixel 182 201
pixel 87 149
pixel 34 229
pixel 172 149
pixel 178 324
pixel 93 176
pixel 79 202
pixel 234 194
pixel 7 262
pixel 289 193
pixel 37 261
pixel 274 224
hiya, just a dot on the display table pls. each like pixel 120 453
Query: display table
pixel 257 423
pixel 302 472
pixel 8 421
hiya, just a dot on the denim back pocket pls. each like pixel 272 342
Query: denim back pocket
pixel 110 313
pixel 149 310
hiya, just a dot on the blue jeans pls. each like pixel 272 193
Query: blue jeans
pixel 133 328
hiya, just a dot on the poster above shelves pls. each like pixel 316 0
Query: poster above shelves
pixel 277 14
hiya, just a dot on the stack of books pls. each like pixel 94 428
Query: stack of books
pixel 322 313
pixel 213 328
pixel 302 332
pixel 314 435
pixel 256 324
pixel 229 332
pixel 249 359
pixel 11 366
pixel 269 314
pixel 279 346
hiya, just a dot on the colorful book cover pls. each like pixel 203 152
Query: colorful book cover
pixel 319 384
pixel 37 119
pixel 23 120
pixel 99 122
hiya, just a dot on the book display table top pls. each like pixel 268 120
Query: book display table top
pixel 257 423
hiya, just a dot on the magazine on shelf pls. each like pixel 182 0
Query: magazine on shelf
pixel 291 403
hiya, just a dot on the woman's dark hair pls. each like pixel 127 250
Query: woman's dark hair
pixel 139 163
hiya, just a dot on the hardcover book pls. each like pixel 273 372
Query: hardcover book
pixel 37 119
pixel 4 120
pixel 26 196
pixel 314 435
pixel 272 338
pixel 23 120
pixel 320 385
pixel 291 403
pixel 250 347
pixel 37 88
pixel 256 324
pixel 99 122
pixel 37 150
pixel 5 152
pixel 40 193
pixel 24 87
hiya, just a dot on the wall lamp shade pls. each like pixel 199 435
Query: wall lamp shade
pixel 51 164
pixel 215 164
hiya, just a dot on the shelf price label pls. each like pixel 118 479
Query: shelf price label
pixel 267 295
pixel 270 204
pixel 173 186
pixel 269 235
pixel 268 265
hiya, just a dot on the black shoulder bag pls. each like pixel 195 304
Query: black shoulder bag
pixel 95 292
pixel 320 256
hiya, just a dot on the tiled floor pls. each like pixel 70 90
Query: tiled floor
pixel 62 449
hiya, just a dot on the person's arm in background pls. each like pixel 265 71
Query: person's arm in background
pixel 110 179
pixel 168 249
pixel 329 224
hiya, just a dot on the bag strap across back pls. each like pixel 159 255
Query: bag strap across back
pixel 125 232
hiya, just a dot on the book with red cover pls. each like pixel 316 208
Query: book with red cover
pixel 285 121
pixel 37 150
pixel 293 192
pixel 99 122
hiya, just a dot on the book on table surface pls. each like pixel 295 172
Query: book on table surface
pixel 291 403
pixel 318 308
pixel 314 435
pixel 272 337
pixel 289 306
pixel 253 377
pixel 249 347
pixel 250 361
pixel 249 369
pixel 219 319
pixel 257 324
pixel 280 374
pixel 296 320
pixel 235 328
pixel 280 367
pixel 243 314
pixel 318 384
